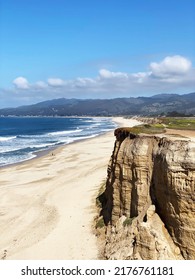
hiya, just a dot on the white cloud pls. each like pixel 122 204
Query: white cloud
pixel 170 66
pixel 41 85
pixel 106 74
pixel 83 82
pixel 141 77
pixel 172 74
pixel 21 83
pixel 55 82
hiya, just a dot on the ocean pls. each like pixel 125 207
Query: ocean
pixel 22 137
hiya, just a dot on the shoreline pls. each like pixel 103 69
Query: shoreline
pixel 44 152
pixel 39 154
pixel 48 203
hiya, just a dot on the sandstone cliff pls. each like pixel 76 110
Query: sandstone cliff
pixel 149 202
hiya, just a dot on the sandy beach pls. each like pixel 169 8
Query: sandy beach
pixel 48 203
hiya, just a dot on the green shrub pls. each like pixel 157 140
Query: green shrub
pixel 100 223
pixel 127 222
pixel 101 195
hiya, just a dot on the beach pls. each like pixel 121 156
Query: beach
pixel 48 203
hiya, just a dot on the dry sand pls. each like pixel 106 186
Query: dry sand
pixel 47 205
pixel 190 134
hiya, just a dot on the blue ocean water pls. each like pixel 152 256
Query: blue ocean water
pixel 21 137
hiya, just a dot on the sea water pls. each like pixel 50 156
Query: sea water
pixel 22 137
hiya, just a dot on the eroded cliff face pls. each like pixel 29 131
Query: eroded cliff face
pixel 149 201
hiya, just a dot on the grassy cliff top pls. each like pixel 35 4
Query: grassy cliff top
pixel 144 128
pixel 178 123
pixel 123 132
pixel 158 127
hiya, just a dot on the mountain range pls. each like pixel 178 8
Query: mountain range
pixel 154 105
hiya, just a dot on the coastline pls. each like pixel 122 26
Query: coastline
pixel 48 202
pixel 47 150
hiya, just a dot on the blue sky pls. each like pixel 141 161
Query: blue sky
pixel 95 49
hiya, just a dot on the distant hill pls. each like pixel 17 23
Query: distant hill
pixel 154 105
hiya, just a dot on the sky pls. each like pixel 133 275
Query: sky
pixel 95 49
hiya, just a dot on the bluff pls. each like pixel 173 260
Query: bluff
pixel 148 205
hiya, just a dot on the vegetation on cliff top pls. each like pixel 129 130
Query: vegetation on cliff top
pixel 122 132
pixel 159 126
pixel 179 123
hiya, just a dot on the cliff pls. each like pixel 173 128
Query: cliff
pixel 148 205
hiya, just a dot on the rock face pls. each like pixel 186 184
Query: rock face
pixel 149 201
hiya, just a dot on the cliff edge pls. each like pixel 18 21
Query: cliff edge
pixel 148 205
